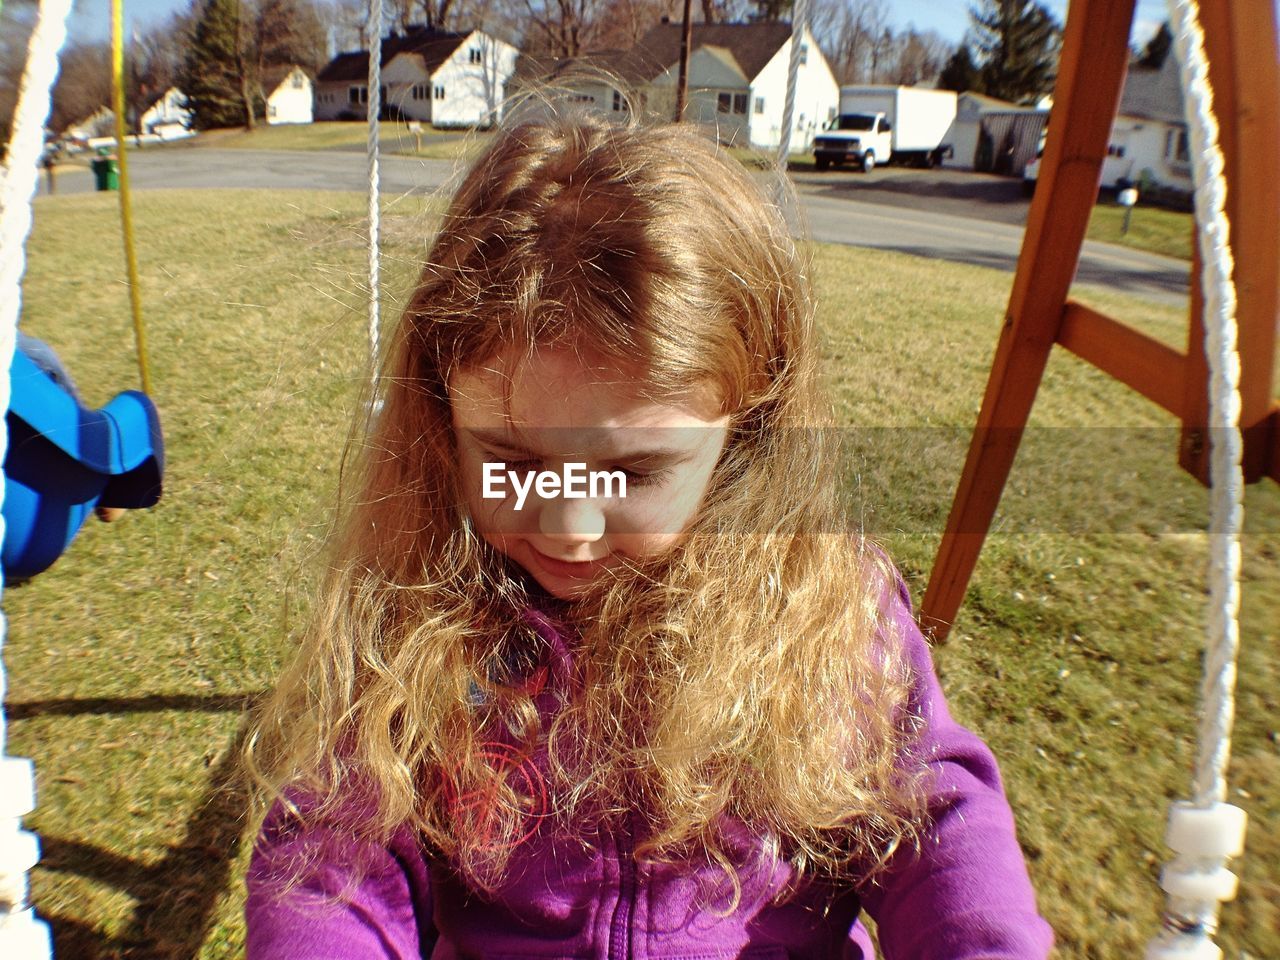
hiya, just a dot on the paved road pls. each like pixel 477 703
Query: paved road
pixel 964 218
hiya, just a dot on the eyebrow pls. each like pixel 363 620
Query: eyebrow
pixel 656 455
pixel 497 438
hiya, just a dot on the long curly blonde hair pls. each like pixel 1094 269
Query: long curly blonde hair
pixel 748 674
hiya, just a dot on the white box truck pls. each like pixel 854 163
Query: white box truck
pixel 879 124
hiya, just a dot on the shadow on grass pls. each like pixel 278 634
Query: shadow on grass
pixel 70 706
pixel 176 897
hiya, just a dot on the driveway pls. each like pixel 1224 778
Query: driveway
pixel 964 217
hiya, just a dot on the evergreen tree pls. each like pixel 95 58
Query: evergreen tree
pixel 215 73
pixel 1018 41
pixel 960 73
pixel 1157 48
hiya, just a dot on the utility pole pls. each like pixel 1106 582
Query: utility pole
pixel 686 41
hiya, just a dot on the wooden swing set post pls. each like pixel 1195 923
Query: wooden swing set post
pixel 1240 42
pixel 1240 37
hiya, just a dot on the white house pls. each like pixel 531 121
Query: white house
pixel 1149 138
pixel 446 79
pixel 289 94
pixel 168 118
pixel 737 80
pixel 101 123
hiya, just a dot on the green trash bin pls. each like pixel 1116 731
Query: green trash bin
pixel 106 171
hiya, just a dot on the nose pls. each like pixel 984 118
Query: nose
pixel 569 522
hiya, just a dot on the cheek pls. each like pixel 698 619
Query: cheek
pixel 659 516
pixel 642 544
pixel 495 517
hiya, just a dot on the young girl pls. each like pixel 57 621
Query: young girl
pixel 678 713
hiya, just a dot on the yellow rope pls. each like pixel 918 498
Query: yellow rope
pixel 126 217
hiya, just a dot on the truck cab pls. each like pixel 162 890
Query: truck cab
pixel 863 139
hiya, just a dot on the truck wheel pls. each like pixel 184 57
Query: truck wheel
pixel 868 161
pixel 821 163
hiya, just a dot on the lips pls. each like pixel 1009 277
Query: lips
pixel 580 570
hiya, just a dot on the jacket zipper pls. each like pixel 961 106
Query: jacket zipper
pixel 620 929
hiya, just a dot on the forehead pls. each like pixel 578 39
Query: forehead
pixel 556 387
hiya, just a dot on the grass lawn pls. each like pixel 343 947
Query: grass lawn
pixel 130 662
pixel 394 138
pixel 1150 228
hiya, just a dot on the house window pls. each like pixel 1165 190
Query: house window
pixel 296 81
pixel 759 104
pixel 1175 147
pixel 271 110
pixel 740 103
pixel 439 91
pixel 357 95
pixel 1115 150
pixel 420 91
pixel 582 98
pixel 475 54
pixel 618 102
pixel 804 53
pixel 723 102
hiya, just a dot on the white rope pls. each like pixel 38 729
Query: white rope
pixel 1207 831
pixel 800 17
pixel 22 936
pixel 375 223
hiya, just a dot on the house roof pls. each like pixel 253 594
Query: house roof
pixel 752 45
pixel 985 102
pixel 1153 94
pixel 433 46
pixel 273 76
pixel 726 57
pixel 744 48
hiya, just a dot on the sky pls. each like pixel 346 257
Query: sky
pixel 950 18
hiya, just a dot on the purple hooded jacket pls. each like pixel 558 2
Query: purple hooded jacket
pixel 967 895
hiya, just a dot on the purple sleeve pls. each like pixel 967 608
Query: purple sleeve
pixel 318 893
pixel 967 894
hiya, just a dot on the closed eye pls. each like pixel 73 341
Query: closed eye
pixel 644 478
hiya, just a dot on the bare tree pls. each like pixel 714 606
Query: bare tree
pixel 626 21
pixel 16 23
pixel 84 83
pixel 562 28
pixel 852 34
pixel 345 23
pixel 917 58
pixel 725 11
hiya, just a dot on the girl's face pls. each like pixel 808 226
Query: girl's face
pixel 520 423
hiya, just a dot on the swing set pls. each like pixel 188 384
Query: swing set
pixel 1219 388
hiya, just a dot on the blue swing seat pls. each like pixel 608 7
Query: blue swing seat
pixel 63 460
